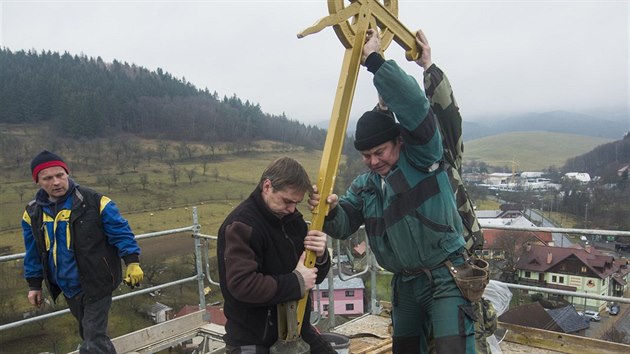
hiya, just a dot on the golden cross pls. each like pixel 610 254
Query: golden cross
pixel 350 24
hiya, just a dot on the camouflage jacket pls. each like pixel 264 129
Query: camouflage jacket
pixel 438 90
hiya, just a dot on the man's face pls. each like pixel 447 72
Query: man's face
pixel 54 181
pixel 381 158
pixel 282 202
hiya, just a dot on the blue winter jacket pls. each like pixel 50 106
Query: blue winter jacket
pixel 76 244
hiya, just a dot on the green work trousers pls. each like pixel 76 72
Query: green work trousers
pixel 430 301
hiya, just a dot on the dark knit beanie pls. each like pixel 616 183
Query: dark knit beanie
pixel 374 128
pixel 44 160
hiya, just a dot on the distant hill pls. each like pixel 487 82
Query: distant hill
pixel 543 145
pixel 610 125
pixel 87 97
pixel 532 151
pixel 352 124
pixel 604 125
pixel 604 161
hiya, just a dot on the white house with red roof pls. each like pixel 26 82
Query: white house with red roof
pixel 573 269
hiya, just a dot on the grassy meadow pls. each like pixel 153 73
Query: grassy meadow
pixel 531 151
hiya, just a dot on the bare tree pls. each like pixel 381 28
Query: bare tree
pixel 185 150
pixel 107 180
pixel 215 174
pixel 175 173
pixel 149 154
pixel 20 190
pixel 511 244
pixel 127 182
pixel 210 146
pixel 191 174
pixel 144 180
pixel 204 164
pixel 116 147
pixel 152 268
pixel 162 150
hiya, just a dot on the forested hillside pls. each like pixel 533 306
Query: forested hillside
pixel 86 97
pixel 605 160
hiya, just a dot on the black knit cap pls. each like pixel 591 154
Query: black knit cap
pixel 44 160
pixel 375 128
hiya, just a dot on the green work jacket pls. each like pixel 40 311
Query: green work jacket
pixel 410 216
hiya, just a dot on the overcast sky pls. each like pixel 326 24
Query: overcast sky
pixel 502 57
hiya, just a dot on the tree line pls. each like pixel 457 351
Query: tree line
pixel 80 96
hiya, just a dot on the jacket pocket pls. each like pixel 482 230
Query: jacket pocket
pixel 437 227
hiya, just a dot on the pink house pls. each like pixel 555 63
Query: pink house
pixel 348 296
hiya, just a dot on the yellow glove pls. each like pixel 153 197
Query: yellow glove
pixel 134 275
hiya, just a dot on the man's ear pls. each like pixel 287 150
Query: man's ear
pixel 266 186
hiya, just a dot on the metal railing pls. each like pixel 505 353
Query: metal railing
pixel 199 276
pixel 203 263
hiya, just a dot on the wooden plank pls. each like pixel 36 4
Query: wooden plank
pixel 133 341
pixel 561 342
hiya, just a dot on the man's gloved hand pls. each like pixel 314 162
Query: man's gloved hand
pixel 134 275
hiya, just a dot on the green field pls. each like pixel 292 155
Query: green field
pixel 532 151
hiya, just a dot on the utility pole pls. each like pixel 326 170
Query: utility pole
pixel 586 216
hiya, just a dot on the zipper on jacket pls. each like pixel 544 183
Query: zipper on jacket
pixel 286 236
pixel 268 323
pixel 109 269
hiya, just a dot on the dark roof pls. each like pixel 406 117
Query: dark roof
pixel 530 315
pixel 568 319
pixel 619 279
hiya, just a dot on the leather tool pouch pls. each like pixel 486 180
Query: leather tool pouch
pixel 471 277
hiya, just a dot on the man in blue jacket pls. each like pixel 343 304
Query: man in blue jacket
pixel 74 239
pixel 408 207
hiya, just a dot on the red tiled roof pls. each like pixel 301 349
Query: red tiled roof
pixel 541 258
pixel 492 236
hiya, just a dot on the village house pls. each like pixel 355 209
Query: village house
pixel 501 243
pixel 497 244
pixel 159 312
pixel 582 177
pixel 348 297
pixel 573 269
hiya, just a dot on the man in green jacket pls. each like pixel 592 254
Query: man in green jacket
pixel 408 207
pixel 440 94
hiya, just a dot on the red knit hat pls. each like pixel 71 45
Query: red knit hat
pixel 44 160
